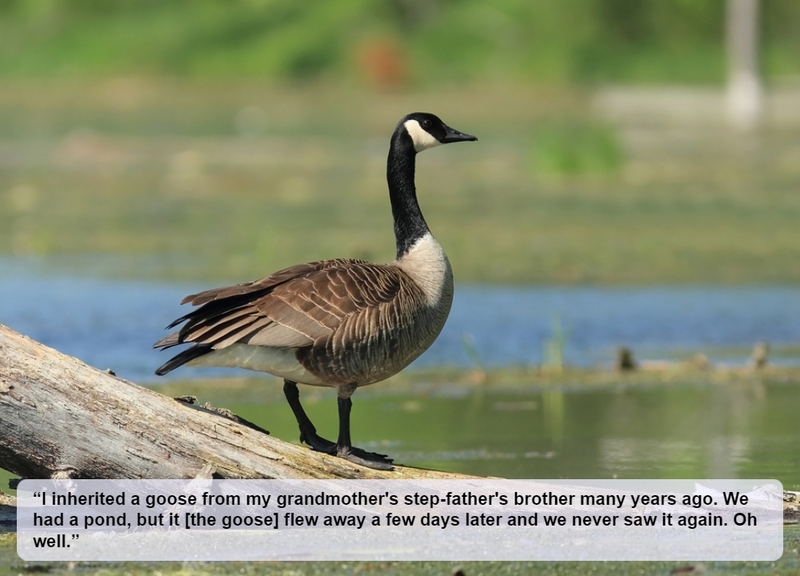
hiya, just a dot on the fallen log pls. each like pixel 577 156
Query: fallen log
pixel 62 418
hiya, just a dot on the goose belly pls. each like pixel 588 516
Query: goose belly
pixel 281 362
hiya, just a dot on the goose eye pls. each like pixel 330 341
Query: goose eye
pixel 426 124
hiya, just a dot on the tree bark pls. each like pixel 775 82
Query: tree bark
pixel 60 417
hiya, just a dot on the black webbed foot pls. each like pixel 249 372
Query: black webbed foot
pixel 317 442
pixel 363 458
pixel 308 433
pixel 343 447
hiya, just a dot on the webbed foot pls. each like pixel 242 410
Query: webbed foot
pixel 363 458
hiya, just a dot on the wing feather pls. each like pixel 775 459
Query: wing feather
pixel 217 325
pixel 279 336
pixel 297 307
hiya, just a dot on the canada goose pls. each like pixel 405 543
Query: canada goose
pixel 340 323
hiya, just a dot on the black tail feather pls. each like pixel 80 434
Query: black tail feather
pixel 180 359
pixel 215 308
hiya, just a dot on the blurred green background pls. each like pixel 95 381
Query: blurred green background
pixel 429 41
pixel 217 141
pixel 254 133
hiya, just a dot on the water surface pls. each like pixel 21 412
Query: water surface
pixel 113 323
pixel 746 429
pixel 691 429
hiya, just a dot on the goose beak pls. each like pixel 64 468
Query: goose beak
pixel 453 135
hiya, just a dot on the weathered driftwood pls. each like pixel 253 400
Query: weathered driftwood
pixel 60 417
pixel 791 507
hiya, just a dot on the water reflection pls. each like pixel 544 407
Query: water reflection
pixel 689 430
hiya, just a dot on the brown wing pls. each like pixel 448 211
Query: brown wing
pixel 258 286
pixel 294 308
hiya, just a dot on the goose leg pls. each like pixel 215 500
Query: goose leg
pixel 344 446
pixel 308 433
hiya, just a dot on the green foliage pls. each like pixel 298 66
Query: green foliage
pixel 273 38
pixel 571 148
pixel 554 346
pixel 437 40
pixel 468 341
pixel 159 177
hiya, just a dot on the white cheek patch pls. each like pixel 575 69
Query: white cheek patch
pixel 421 138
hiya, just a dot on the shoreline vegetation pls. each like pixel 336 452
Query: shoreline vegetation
pixel 236 390
pixel 201 180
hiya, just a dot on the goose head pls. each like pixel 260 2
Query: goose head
pixel 427 130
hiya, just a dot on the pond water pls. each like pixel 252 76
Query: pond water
pixel 692 429
pixel 113 323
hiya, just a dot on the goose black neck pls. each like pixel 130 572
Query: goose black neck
pixel 409 224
